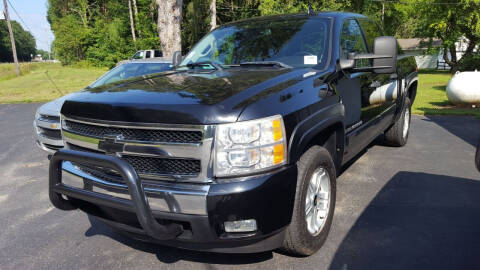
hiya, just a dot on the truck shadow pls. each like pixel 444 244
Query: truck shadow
pixel 171 255
pixel 417 221
pixel 464 127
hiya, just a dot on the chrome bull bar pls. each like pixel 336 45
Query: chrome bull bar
pixel 138 201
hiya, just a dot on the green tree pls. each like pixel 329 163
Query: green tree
pixel 272 7
pixel 448 20
pixel 98 31
pixel 24 42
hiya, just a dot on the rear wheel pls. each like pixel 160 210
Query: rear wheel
pixel 397 135
pixel 314 203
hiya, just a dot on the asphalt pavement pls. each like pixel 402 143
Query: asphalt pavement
pixel 415 207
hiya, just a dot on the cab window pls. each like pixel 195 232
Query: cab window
pixel 351 40
pixel 157 53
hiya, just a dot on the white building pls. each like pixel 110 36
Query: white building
pixel 417 47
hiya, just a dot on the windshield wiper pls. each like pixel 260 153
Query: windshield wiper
pixel 266 64
pixel 203 64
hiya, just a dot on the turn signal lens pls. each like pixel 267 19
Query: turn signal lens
pixel 278 154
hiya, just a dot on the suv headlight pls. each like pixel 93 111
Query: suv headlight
pixel 250 146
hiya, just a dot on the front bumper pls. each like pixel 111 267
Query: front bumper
pixel 182 215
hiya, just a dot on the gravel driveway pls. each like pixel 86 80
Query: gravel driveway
pixel 416 207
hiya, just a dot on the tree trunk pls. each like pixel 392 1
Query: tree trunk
pixel 383 15
pixel 213 14
pixel 452 62
pixel 135 10
pixel 132 25
pixel 169 20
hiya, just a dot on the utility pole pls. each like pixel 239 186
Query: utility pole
pixel 12 39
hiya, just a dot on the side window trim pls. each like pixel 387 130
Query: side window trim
pixel 363 35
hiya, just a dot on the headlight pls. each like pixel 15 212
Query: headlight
pixel 37 115
pixel 250 146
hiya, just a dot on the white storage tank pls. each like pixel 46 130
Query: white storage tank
pixel 464 88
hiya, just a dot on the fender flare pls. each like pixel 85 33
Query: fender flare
pixel 403 93
pixel 307 129
pixel 410 83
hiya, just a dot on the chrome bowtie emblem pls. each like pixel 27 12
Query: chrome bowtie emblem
pixel 111 145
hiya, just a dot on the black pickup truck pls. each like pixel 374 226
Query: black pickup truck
pixel 238 148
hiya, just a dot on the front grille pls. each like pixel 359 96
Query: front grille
pixel 52 147
pixel 135 134
pixel 102 173
pixel 49 118
pixel 54 134
pixel 152 166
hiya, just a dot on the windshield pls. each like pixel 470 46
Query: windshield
pixel 301 42
pixel 130 70
pixel 138 55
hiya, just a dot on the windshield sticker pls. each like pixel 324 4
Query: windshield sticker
pixel 310 60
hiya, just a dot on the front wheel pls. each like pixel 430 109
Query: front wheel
pixel 397 135
pixel 314 203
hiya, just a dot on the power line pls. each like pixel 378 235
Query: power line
pixel 26 25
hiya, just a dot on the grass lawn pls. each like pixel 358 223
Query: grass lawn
pixel 432 97
pixel 35 86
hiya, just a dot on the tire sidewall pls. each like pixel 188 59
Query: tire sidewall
pixel 321 158
pixel 408 108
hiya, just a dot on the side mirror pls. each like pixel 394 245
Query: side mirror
pixel 383 60
pixel 177 58
pixel 386 46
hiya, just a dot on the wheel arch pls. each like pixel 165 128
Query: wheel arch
pixel 331 138
pixel 325 128
pixel 412 90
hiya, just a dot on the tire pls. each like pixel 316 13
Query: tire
pixel 299 240
pixel 396 135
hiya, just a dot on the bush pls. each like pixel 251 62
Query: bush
pixel 469 63
pixel 7 70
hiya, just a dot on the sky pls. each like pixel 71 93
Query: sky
pixel 34 14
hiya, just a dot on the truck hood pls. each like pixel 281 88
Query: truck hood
pixel 53 107
pixel 179 97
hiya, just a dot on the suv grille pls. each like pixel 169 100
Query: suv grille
pixel 54 134
pixel 49 118
pixel 133 134
pixel 152 166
